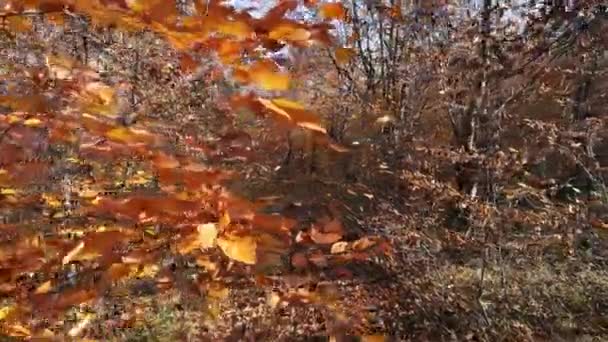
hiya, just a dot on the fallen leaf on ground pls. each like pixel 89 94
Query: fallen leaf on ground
pixel 207 233
pixel 239 248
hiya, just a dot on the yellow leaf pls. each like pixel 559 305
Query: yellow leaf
pixel 272 81
pixel 33 122
pixel 44 288
pixel 51 201
pixel 13 119
pixel 73 253
pixel 239 248
pixel 88 193
pixel 5 311
pixel 8 191
pixel 103 91
pixel 18 330
pixel 207 233
pixel 126 135
pixel 288 104
pixel 268 104
pixel 266 75
pixel 224 220
pixel 295 113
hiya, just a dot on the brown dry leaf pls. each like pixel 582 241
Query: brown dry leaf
pixel 363 244
pixel 324 238
pixel 273 223
pixel 332 232
pixel 118 271
pixel 333 226
pixel 332 11
pixel 343 55
pixel 299 260
pixel 239 248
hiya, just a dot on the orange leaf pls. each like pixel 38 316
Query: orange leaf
pixel 324 238
pixel 294 112
pixel 289 33
pixel 266 75
pixel 187 63
pixel 238 29
pixel 332 11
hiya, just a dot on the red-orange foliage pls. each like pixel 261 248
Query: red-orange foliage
pixel 68 118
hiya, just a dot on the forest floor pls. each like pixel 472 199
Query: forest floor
pixel 442 283
pixel 446 278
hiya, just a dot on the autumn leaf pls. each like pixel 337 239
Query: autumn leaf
pixel 266 75
pixel 5 311
pixel 44 287
pixel 343 55
pixel 322 237
pixel 238 29
pixel 290 33
pixel 332 11
pixel 129 135
pixel 229 51
pixel 339 247
pixel 32 122
pixel 207 234
pixel 239 248
pixel 293 112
